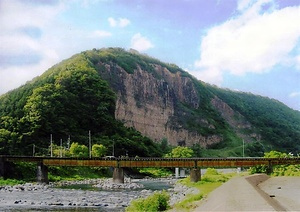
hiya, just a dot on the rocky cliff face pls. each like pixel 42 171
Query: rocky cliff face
pixel 237 121
pixel 149 103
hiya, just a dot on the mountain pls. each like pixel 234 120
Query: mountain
pixel 103 90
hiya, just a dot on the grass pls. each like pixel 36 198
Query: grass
pixel 190 202
pixel 10 182
pixel 209 182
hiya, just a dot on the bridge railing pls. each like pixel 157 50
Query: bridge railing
pixel 154 162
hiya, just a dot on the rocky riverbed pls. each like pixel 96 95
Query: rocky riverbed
pixel 106 197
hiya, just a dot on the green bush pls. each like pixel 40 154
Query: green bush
pixel 286 170
pixel 212 175
pixel 258 169
pixel 53 178
pixel 279 170
pixel 156 202
pixel 211 171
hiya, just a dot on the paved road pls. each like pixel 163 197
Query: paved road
pixel 238 194
pixel 285 190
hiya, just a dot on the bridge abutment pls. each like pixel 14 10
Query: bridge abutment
pixel 118 175
pixel 42 173
pixel 195 175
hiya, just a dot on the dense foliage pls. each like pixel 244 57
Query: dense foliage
pixel 180 152
pixel 68 100
pixel 278 125
pixel 278 170
pixel 26 172
pixel 129 61
pixel 71 99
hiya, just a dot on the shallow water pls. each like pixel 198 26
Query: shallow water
pixel 156 185
pixel 153 185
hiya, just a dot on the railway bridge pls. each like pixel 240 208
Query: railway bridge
pixel 195 164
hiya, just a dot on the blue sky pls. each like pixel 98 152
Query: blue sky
pixel 245 45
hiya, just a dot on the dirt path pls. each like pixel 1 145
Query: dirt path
pixel 243 194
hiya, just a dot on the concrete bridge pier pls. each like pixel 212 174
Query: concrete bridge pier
pixel 42 173
pixel 179 172
pixel 269 169
pixel 195 175
pixel 3 171
pixel 118 175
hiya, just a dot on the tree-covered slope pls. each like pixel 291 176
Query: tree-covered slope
pixel 278 124
pixel 70 99
pixel 81 94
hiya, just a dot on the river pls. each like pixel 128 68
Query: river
pixel 78 197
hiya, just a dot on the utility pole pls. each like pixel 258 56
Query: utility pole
pixel 90 144
pixel 69 141
pixel 113 153
pixel 33 150
pixel 61 148
pixel 243 148
pixel 51 149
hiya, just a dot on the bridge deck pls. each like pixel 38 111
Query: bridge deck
pixel 154 162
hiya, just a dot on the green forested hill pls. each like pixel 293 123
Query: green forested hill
pixel 72 98
pixel 69 99
pixel 278 124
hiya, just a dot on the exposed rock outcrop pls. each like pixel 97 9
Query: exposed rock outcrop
pixel 148 102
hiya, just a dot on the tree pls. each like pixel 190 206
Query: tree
pixel 98 150
pixel 255 149
pixel 77 150
pixel 278 170
pixel 60 151
pixel 198 150
pixel 180 152
pixel 164 146
pixel 276 154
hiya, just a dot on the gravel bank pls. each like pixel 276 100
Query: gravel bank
pixel 111 197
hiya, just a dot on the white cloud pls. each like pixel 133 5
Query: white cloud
pixel 100 34
pixel 112 22
pixel 140 43
pixel 90 3
pixel 15 18
pixel 294 94
pixel 121 22
pixel 243 4
pixel 251 42
pixel 25 55
pixel 14 76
